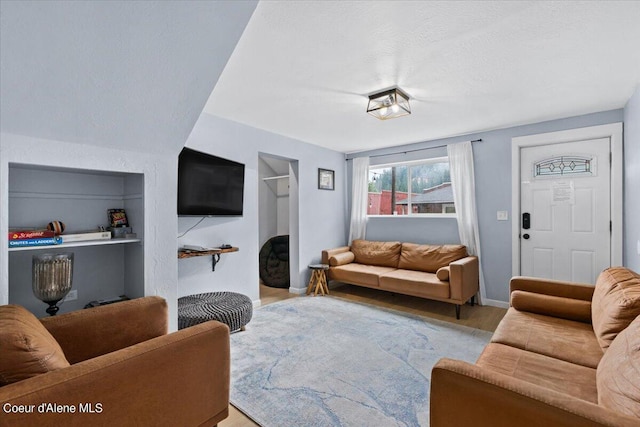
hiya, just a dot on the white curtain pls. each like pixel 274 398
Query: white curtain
pixel 464 197
pixel 359 198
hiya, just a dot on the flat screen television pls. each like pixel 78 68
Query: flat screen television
pixel 209 185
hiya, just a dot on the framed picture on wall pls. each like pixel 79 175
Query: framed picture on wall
pixel 326 179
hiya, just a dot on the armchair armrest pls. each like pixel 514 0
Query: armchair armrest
pixel 498 400
pixel 464 278
pixel 180 379
pixel 85 334
pixel 328 253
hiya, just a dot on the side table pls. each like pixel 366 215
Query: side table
pixel 319 279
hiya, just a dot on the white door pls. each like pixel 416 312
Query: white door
pixel 565 192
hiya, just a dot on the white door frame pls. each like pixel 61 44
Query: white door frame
pixel 612 131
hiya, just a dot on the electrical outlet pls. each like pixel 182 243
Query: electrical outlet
pixel 72 295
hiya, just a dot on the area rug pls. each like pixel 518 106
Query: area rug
pixel 323 361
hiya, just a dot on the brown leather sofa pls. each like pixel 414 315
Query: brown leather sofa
pixel 113 365
pixel 565 354
pixel 439 272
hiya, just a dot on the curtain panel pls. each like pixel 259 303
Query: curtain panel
pixel 359 198
pixel 464 197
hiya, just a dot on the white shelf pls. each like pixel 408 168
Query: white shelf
pixel 77 244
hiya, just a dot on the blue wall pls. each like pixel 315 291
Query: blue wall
pixel 632 182
pixel 320 214
pixel 493 186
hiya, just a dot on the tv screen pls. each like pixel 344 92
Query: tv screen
pixel 209 185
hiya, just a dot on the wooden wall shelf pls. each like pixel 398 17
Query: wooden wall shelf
pixel 215 254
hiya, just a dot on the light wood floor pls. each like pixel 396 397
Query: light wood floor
pixel 485 317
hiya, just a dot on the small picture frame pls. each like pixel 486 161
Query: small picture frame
pixel 326 179
pixel 117 218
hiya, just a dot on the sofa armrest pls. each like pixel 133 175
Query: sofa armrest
pixel 550 287
pixel 85 334
pixel 464 278
pixel 180 379
pixel 498 400
pixel 328 253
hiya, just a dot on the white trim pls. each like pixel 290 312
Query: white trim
pixel 495 303
pixel 417 215
pixel 256 303
pixel 612 131
pixel 298 291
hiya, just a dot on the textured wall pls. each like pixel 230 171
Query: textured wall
pixel 320 213
pixel 632 182
pixel 493 193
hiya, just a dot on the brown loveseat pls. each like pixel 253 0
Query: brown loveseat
pixel 444 273
pixel 113 365
pixel 565 354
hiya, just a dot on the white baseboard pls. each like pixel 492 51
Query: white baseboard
pixel 256 303
pixel 298 291
pixel 495 303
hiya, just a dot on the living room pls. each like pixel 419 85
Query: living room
pixel 121 88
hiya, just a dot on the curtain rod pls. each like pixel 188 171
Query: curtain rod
pixel 411 151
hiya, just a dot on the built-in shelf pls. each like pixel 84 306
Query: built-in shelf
pixel 215 254
pixel 76 244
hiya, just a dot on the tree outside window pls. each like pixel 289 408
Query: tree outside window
pixel 411 188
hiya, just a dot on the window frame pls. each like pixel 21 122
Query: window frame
pixel 409 164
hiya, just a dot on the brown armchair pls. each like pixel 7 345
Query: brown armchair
pixel 124 369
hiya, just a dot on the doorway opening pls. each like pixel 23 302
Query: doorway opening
pixel 278 225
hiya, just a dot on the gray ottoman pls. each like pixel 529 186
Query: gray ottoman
pixel 231 308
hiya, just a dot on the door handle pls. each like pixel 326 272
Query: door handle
pixel 526 220
pixel 525 236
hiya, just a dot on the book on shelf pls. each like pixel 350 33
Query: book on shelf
pixel 39 241
pixel 30 234
pixel 89 235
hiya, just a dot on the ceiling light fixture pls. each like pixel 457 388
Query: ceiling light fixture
pixel 389 104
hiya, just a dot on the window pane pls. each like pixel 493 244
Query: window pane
pixel 414 189
pixel 431 188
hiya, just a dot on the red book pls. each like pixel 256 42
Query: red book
pixel 30 234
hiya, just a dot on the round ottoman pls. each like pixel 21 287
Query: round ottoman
pixel 231 308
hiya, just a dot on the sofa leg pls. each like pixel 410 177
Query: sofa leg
pixel 457 312
pixel 473 300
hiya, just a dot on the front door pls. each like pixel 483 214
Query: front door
pixel 565 210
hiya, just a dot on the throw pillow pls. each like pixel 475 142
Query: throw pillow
pixel 616 302
pixel 28 349
pixel 617 373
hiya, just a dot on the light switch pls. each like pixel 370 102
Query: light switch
pixel 503 215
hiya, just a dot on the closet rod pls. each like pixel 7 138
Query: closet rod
pixel 269 178
pixel 411 151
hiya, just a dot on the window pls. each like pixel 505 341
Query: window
pixel 414 188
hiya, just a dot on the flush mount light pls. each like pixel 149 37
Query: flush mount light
pixel 389 104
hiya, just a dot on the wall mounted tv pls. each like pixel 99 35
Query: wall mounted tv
pixel 209 185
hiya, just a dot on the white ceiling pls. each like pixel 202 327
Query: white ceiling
pixel 132 75
pixel 304 69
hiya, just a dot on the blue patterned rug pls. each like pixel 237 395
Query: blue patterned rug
pixel 323 361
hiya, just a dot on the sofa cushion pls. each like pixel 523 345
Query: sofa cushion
pixel 562 339
pixel 616 302
pixel 342 258
pixel 443 273
pixel 28 349
pixel 619 371
pixel 360 274
pixel 383 254
pixel 429 258
pixel 564 377
pixel 416 283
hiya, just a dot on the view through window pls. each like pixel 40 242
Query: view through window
pixel 411 188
